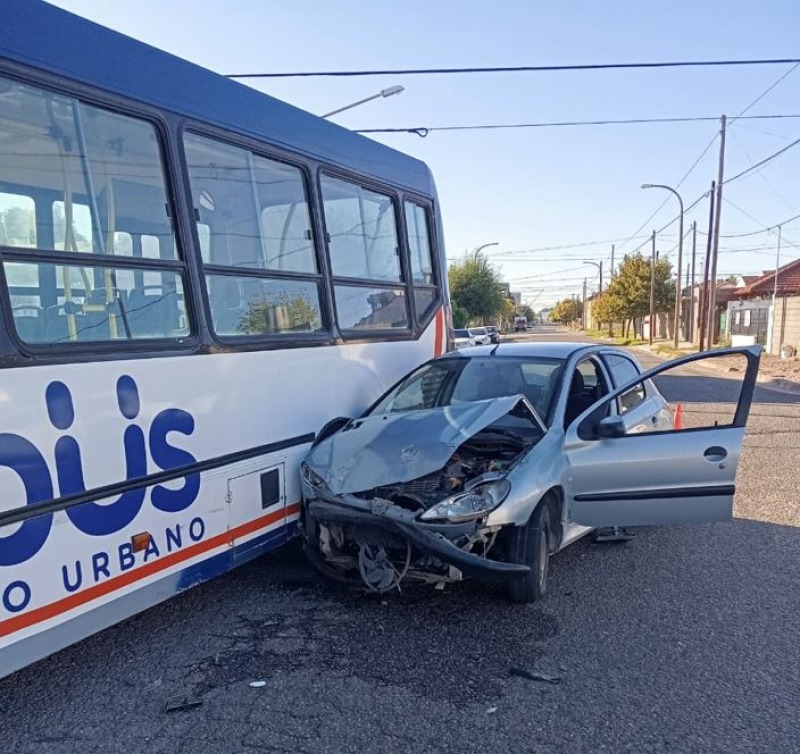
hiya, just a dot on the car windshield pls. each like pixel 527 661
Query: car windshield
pixel 477 330
pixel 448 381
pixel 460 334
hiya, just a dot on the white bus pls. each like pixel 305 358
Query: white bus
pixel 195 277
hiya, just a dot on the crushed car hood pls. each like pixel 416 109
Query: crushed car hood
pixel 404 446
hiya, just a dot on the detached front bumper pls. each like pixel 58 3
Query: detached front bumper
pixel 429 538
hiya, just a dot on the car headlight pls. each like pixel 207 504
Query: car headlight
pixel 312 479
pixel 468 505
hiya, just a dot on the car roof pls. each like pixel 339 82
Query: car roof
pixel 549 350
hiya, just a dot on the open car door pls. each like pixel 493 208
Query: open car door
pixel 676 465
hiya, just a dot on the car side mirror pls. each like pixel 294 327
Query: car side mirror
pixel 610 426
pixel 330 428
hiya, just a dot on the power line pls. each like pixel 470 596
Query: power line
pixel 765 92
pixel 668 197
pixel 753 232
pixel 423 131
pixel 521 68
pixel 740 116
pixel 763 162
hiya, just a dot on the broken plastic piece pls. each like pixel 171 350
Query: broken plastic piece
pixel 613 534
pixel 257 684
pixel 534 675
pixel 180 703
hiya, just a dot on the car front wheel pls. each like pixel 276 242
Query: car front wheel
pixel 530 546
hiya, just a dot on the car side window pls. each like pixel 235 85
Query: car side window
pixel 624 370
pixel 587 385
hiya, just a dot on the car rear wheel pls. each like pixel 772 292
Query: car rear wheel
pixel 530 546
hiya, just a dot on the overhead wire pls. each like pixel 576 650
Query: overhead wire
pixel 519 68
pixel 741 116
pixel 423 131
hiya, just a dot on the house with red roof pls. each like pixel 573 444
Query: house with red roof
pixel 753 318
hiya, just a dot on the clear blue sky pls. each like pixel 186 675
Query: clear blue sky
pixel 531 188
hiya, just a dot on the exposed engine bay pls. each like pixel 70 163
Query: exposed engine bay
pixel 430 528
pixel 485 453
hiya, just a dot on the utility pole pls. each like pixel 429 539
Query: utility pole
pixel 611 274
pixel 684 314
pixel 712 295
pixel 690 329
pixel 652 289
pixel 775 299
pixel 583 308
pixel 702 304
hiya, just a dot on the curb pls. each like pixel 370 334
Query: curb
pixel 776 384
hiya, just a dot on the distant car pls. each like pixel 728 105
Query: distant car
pixel 520 324
pixel 494 333
pixel 481 336
pixel 485 462
pixel 462 338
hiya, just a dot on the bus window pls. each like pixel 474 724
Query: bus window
pixel 263 306
pixel 97 181
pixel 362 231
pixel 80 237
pixel 17 221
pixel 285 219
pixel 420 257
pixel 252 215
pixel 419 246
pixel 362 308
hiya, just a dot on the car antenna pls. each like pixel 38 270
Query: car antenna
pixel 491 353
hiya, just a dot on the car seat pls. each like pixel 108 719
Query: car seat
pixel 577 400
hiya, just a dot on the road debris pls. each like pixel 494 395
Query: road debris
pixel 181 703
pixel 257 684
pixel 535 675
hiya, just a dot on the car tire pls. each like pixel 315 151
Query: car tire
pixel 530 545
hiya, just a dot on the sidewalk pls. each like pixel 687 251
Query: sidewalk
pixel 775 373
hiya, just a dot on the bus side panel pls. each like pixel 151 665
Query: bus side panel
pixel 76 427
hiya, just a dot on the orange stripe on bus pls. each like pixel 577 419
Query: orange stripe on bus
pixel 17 623
pixel 438 325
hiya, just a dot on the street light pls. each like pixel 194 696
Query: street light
pixel 481 248
pixel 599 266
pixel 382 93
pixel 678 297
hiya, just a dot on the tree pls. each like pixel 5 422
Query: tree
pixel 607 309
pixel 631 285
pixel 567 311
pixel 476 288
pixel 509 310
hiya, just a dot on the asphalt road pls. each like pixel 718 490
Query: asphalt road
pixel 686 639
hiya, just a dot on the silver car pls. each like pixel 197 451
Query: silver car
pixel 485 462
pixel 480 335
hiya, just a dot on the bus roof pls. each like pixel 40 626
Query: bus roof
pixel 37 34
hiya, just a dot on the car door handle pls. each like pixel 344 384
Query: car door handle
pixel 715 454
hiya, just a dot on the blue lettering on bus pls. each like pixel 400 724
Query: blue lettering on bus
pixel 126 557
pixel 72 586
pixel 16 596
pixel 91 518
pixel 24 458
pixel 197 528
pixel 168 456
pixel 100 566
pixel 174 538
